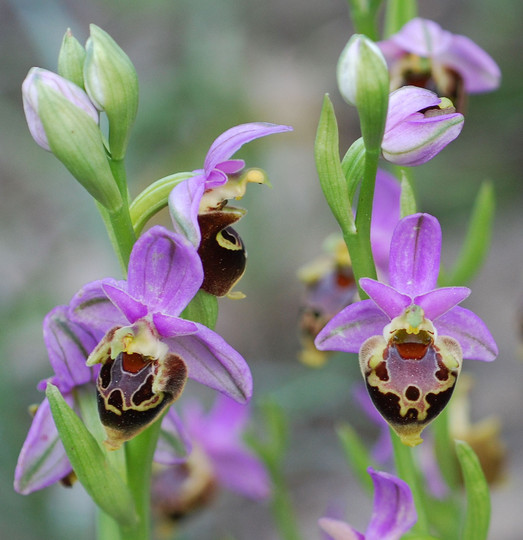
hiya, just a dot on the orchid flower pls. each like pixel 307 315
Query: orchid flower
pixel 419 125
pixel 43 460
pixel 218 458
pixel 393 514
pixel 198 211
pixel 410 335
pixel 148 351
pixel 423 54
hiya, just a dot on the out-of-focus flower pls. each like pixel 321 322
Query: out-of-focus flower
pixel 410 335
pixel 393 513
pixel 329 279
pixel 31 95
pixel 419 125
pixel 43 460
pixel 148 351
pixel 219 458
pixel 423 54
pixel 198 206
pixel 483 436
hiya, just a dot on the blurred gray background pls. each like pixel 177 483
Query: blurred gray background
pixel 203 67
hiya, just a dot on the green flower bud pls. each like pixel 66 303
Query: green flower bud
pixel 71 59
pixel 76 140
pixel 363 80
pixel 112 84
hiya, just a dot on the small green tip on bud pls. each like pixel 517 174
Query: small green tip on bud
pixel 112 84
pixel 363 80
pixel 71 59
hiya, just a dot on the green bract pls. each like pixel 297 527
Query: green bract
pixel 75 139
pixel 112 85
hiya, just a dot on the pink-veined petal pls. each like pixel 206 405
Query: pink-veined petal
pixel 116 292
pixel 406 101
pixel 470 331
pixel 353 325
pixel 415 254
pixel 214 363
pixel 42 460
pixel 165 271
pixel 437 302
pixel 394 513
pixel 91 308
pixel 68 346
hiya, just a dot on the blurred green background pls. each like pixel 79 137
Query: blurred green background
pixel 204 66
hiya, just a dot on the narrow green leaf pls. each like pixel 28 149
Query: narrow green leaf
pixel 332 179
pixel 477 515
pixel 153 198
pixel 203 308
pixel 357 455
pixel 477 240
pixel 99 479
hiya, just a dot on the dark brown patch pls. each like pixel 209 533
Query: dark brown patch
pixel 412 393
pixel 381 371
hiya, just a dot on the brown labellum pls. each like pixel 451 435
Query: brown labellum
pixel 221 250
pixel 410 379
pixel 133 390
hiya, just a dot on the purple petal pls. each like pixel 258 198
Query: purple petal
pixel 406 101
pixel 385 217
pixel 91 308
pixel 116 292
pixel 419 138
pixel 170 327
pixel 339 530
pixel 422 37
pixel 347 330
pixel 68 346
pixel 229 142
pixel 415 254
pixel 390 301
pixel 394 512
pixel 165 271
pixel 437 302
pixel 470 331
pixel 479 71
pixel 184 203
pixel 42 460
pixel 231 166
pixel 214 363
pixel 173 444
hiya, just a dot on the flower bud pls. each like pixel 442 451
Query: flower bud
pixel 363 80
pixel 112 84
pixel 419 125
pixel 30 97
pixel 71 60
pixel 62 119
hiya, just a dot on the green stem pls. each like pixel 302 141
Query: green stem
pixel 444 448
pixel 139 453
pixel 397 14
pixel 282 507
pixel 358 243
pixel 407 470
